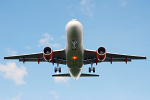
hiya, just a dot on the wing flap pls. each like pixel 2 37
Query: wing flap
pixel 32 60
pixel 41 60
pixel 108 60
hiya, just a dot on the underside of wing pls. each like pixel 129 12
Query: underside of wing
pixel 34 55
pixel 38 57
pixel 115 55
pixel 91 56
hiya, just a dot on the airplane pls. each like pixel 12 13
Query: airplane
pixel 74 54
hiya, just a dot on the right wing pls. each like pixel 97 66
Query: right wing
pixel 114 57
pixel 57 55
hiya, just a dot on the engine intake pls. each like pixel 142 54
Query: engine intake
pixel 101 53
pixel 47 53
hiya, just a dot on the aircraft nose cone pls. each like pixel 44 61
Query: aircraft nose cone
pixel 74 25
pixel 75 72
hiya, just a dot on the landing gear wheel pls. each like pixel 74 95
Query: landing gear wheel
pixel 59 69
pixel 93 69
pixel 89 70
pixel 55 69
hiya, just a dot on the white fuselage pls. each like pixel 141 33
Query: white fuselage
pixel 74 58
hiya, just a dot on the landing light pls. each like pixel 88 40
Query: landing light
pixel 74 57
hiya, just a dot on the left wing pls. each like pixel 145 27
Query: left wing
pixel 110 57
pixel 38 57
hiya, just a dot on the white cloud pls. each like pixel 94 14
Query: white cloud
pixel 18 97
pixel 11 71
pixel 28 47
pixel 123 2
pixel 11 52
pixel 70 7
pixel 47 41
pixel 47 38
pixel 87 7
pixel 61 79
pixel 63 37
pixel 55 94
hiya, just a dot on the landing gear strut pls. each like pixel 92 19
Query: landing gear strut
pixel 91 68
pixel 74 42
pixel 57 68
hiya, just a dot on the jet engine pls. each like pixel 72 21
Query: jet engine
pixel 101 53
pixel 47 53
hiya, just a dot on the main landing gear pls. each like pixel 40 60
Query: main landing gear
pixel 57 68
pixel 74 42
pixel 91 68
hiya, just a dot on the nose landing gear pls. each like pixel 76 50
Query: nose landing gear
pixel 74 42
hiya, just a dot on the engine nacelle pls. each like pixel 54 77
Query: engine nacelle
pixel 48 53
pixel 101 53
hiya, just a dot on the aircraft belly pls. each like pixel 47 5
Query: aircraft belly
pixel 75 65
pixel 71 63
pixel 74 33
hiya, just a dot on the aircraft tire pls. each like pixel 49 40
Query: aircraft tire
pixel 89 70
pixel 59 69
pixel 55 69
pixel 93 69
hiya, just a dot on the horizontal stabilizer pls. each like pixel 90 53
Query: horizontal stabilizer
pixel 82 75
pixel 89 75
pixel 61 75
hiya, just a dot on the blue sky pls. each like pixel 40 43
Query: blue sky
pixel 121 26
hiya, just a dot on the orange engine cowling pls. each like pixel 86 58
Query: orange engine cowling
pixel 47 53
pixel 101 53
